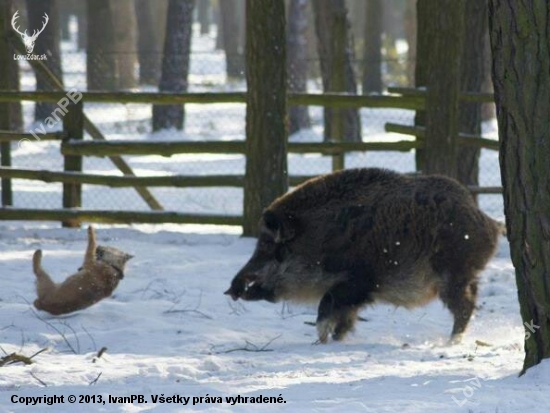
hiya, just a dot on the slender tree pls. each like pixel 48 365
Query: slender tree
pixel 81 11
pixel 101 60
pixel 520 43
pixel 175 63
pixel 372 51
pixel 471 79
pixel 203 8
pixel 443 87
pixel 125 41
pixel 410 34
pixel 231 26
pixel 425 32
pixel 335 47
pixel 148 43
pixel 266 134
pixel 297 61
pixel 47 43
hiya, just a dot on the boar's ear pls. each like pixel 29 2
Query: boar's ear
pixel 282 228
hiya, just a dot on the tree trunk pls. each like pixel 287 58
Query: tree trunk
pixel 372 51
pixel 266 135
pixel 102 63
pixel 520 43
pixel 47 43
pixel 297 62
pixel 335 48
pixel 148 44
pixel 410 34
pixel 424 37
pixel 125 41
pixel 10 113
pixel 488 110
pixel 203 8
pixel 471 79
pixel 64 20
pixel 234 56
pixel 219 29
pixel 175 63
pixel 82 21
pixel 443 72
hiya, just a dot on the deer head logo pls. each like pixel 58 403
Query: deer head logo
pixel 28 40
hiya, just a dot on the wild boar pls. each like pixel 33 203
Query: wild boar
pixel 361 236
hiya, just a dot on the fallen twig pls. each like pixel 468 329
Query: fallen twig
pixel 94 381
pixel 38 380
pixel 251 347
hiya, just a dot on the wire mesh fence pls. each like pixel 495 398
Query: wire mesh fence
pixel 211 122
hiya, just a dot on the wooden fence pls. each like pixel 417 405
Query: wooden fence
pixel 73 148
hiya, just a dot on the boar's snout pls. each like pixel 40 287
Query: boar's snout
pixel 240 285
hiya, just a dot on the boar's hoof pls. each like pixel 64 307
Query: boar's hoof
pixel 338 324
pixel 324 328
pixel 455 339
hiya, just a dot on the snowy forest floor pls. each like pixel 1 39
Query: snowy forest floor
pixel 168 329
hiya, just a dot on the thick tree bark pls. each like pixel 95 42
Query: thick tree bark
pixel 443 87
pixel 520 43
pixel 47 43
pixel 471 79
pixel 148 43
pixel 335 48
pixel 297 61
pixel 125 41
pixel 372 51
pixel 175 63
pixel 266 134
pixel 203 8
pixel 102 63
pixel 234 53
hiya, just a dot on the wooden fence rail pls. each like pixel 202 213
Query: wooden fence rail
pixel 169 148
pixel 336 100
pixel 463 138
pixel 116 217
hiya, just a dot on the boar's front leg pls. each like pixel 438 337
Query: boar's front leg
pixel 338 309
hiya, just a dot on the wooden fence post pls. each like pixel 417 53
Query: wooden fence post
pixel 73 126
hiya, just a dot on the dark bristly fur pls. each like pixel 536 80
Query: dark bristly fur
pixel 100 274
pixel 360 236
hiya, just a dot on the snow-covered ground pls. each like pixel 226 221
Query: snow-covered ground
pixel 168 329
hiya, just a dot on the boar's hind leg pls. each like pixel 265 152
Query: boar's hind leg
pixel 338 310
pixel 461 300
